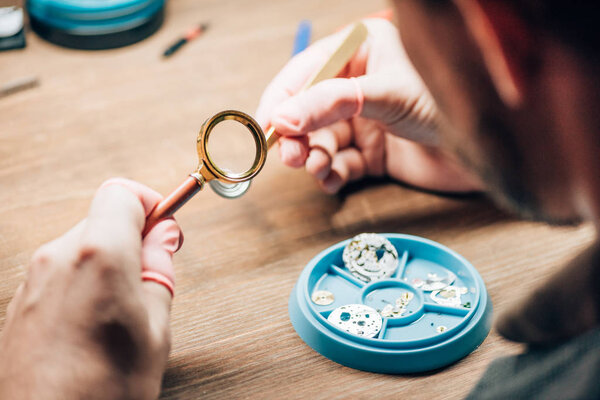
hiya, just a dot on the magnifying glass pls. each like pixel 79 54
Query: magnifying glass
pixel 232 149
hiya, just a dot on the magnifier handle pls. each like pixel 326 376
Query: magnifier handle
pixel 173 202
pixel 271 137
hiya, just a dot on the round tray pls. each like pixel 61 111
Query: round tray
pixel 427 336
pixel 95 24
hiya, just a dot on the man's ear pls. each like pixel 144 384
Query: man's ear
pixel 506 44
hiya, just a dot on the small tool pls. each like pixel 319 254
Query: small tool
pixel 190 35
pixel 18 85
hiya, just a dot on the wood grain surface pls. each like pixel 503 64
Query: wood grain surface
pixel 127 112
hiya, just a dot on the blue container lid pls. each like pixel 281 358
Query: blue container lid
pixel 430 333
pixel 93 16
pixel 95 24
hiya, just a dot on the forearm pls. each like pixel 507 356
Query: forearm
pixel 427 167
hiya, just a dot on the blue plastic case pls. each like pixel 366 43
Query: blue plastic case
pixel 406 344
pixel 95 24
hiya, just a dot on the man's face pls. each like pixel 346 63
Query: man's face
pixel 512 151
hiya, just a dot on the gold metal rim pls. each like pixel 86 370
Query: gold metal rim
pixel 257 134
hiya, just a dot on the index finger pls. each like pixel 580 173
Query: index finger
pixel 290 80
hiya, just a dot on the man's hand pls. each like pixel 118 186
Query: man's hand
pixel 84 325
pixel 394 132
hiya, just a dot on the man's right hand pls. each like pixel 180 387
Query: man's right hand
pixel 396 129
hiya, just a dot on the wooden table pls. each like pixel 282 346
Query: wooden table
pixel 128 113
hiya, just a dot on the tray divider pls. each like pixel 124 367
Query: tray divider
pixel 325 313
pixel 347 276
pixel 381 334
pixel 459 311
pixel 402 266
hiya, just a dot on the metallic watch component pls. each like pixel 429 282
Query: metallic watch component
pixel 407 296
pixel 370 257
pixel 449 296
pixel 356 319
pixel 391 311
pixel 436 282
pixel 229 190
pixel 322 297
pixel 417 282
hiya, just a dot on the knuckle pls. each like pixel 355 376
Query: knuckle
pixel 43 255
pixel 41 259
pixel 99 257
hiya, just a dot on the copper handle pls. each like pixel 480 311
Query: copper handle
pixel 173 201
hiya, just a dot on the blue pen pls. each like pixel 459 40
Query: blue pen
pixel 302 39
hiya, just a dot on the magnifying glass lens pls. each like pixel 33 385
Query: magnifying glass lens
pixel 231 148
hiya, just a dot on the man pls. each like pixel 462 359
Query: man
pixel 488 95
pixel 477 94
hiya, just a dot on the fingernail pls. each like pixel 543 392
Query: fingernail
pixel 315 165
pixel 172 238
pixel 333 183
pixel 180 240
pixel 292 153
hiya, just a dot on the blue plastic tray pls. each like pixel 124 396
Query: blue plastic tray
pixel 406 344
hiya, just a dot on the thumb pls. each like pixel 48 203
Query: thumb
pixel 158 248
pixel 319 106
